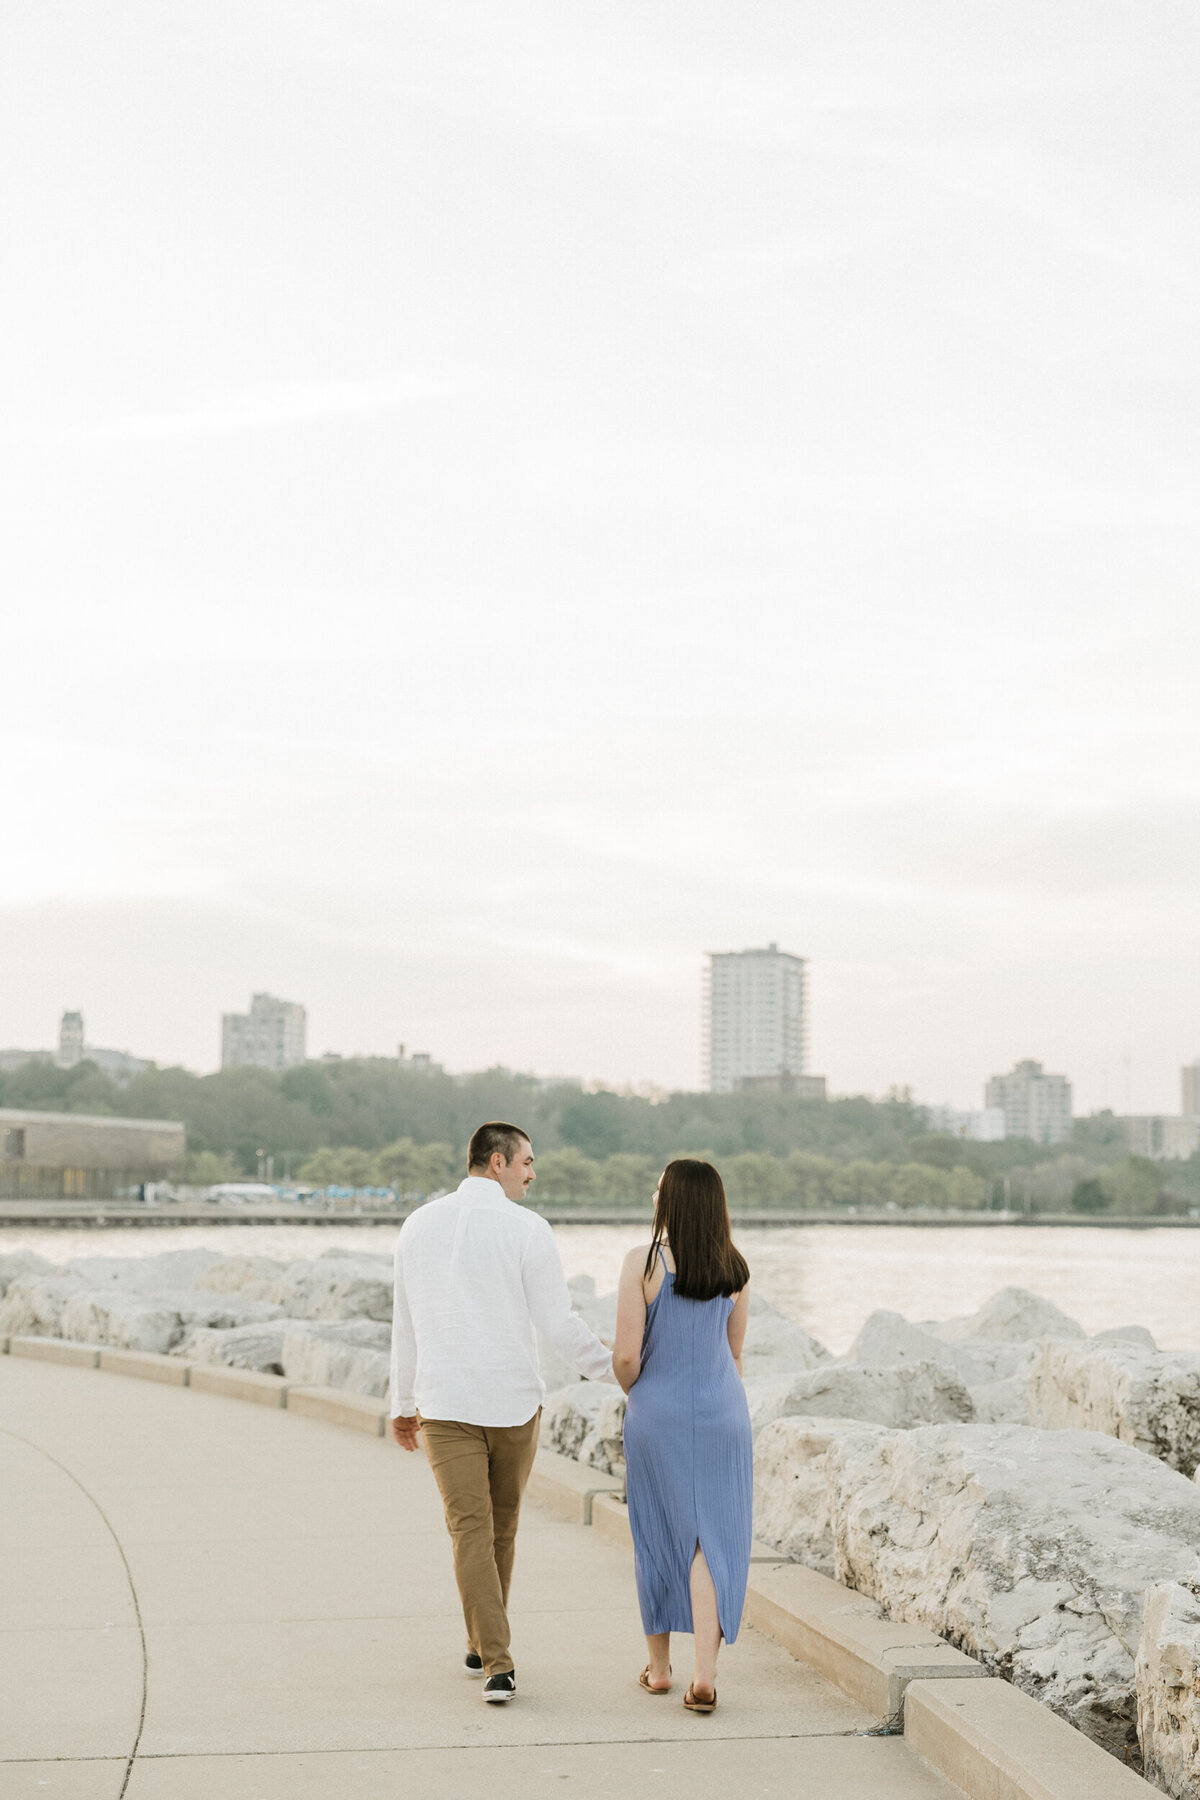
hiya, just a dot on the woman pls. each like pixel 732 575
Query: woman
pixel 681 1323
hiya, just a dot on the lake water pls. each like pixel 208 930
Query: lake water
pixel 829 1277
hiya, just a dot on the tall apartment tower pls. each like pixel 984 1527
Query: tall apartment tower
pixel 755 1018
pixel 1035 1105
pixel 270 1036
pixel 1191 1089
pixel 70 1040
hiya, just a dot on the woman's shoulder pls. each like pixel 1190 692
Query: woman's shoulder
pixel 636 1258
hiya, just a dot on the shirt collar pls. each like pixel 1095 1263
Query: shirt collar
pixel 481 1188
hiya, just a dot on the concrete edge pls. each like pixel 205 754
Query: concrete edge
pixel 338 1407
pixel 56 1350
pixel 238 1384
pixel 146 1364
pixel 845 1636
pixel 610 1520
pixel 568 1488
pixel 996 1743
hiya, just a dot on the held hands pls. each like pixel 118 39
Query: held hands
pixel 405 1432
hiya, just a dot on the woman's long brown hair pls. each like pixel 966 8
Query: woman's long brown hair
pixel 692 1215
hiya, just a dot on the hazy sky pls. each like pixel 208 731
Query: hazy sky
pixel 502 499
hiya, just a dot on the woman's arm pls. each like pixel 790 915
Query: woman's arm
pixel 737 1325
pixel 631 1319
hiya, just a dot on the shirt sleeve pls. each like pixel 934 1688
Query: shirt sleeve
pixel 549 1300
pixel 404 1345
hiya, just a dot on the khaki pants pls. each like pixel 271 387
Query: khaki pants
pixel 481 1471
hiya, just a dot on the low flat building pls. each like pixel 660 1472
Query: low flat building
pixel 801 1087
pixel 79 1156
pixel 1162 1137
pixel 1035 1105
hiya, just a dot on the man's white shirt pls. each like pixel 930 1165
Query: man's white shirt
pixel 475 1275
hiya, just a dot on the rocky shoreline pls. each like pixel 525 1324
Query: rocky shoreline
pixel 1024 1490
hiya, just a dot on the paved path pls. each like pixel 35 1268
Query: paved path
pixel 202 1599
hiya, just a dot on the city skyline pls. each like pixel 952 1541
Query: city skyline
pixel 502 525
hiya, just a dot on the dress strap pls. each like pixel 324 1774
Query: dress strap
pixel 662 1259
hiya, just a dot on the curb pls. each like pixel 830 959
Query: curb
pixel 985 1736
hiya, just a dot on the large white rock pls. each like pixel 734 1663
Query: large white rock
pixel 241 1347
pixel 903 1396
pixel 585 1421
pixel 777 1345
pixel 886 1338
pixel 1013 1316
pixel 154 1321
pixel 1032 1550
pixel 336 1287
pixel 1168 1688
pixel 167 1272
pixel 22 1262
pixel 355 1355
pixel 1147 1398
pixel 791 1493
pixel 254 1277
pixel 33 1305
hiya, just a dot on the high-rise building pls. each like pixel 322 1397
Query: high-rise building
pixel 270 1036
pixel 1035 1105
pixel 70 1040
pixel 755 1030
pixel 1191 1089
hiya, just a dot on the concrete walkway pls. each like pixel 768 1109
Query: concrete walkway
pixel 206 1600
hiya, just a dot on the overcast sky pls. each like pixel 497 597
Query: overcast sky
pixel 503 499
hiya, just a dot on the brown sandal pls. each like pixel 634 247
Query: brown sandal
pixel 644 1681
pixel 696 1705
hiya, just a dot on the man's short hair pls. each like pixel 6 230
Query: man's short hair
pixel 495 1135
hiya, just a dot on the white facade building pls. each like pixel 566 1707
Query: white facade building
pixel 1035 1105
pixel 1191 1089
pixel 1161 1136
pixel 270 1036
pixel 986 1127
pixel 755 1030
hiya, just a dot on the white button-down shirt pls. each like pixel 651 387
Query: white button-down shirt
pixel 475 1274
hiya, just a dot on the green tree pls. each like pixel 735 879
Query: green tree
pixel 1090 1196
pixel 628 1178
pixel 339 1167
pixel 1135 1184
pixel 756 1180
pixel 564 1175
pixel 202 1168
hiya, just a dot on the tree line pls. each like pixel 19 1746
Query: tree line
pixel 372 1121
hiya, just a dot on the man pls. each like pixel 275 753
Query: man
pixel 475 1274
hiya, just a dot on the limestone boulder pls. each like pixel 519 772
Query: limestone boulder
pixel 585 1421
pixel 1168 1688
pixel 1032 1550
pixel 336 1287
pixel 1150 1399
pixel 257 1347
pixel 355 1355
pixel 791 1494
pixel 22 1262
pixel 1012 1316
pixel 906 1395
pixel 167 1272
pixel 124 1321
pixel 887 1339
pixel 777 1345
pixel 1126 1334
pixel 251 1277
pixel 33 1304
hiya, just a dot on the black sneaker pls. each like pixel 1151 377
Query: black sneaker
pixel 473 1664
pixel 500 1687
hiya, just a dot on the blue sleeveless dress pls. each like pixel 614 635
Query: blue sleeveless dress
pixel 689 1462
